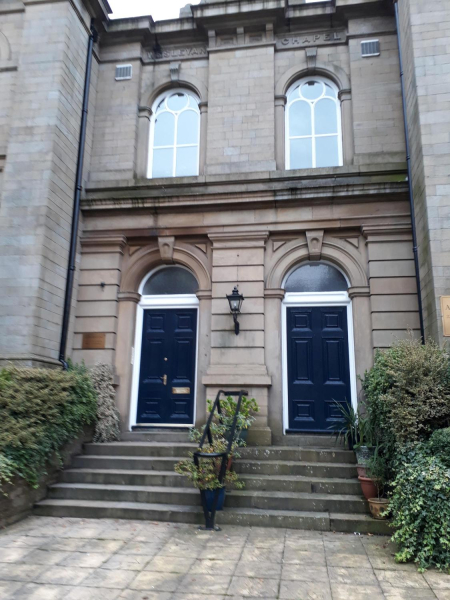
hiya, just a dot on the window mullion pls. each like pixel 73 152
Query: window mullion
pixel 313 135
pixel 174 163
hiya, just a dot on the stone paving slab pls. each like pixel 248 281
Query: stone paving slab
pixel 47 558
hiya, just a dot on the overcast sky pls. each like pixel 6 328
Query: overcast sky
pixel 159 9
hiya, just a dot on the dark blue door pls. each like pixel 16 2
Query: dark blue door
pixel 167 372
pixel 318 366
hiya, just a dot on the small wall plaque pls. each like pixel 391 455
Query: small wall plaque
pixel 93 341
pixel 181 390
pixel 445 309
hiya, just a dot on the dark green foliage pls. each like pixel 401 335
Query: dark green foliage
pixel 439 445
pixel 420 505
pixel 408 391
pixel 41 410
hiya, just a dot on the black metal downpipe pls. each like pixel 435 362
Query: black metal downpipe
pixel 76 202
pixel 410 182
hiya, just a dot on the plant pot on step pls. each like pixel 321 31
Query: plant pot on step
pixel 210 498
pixel 368 487
pixel 363 454
pixel 377 507
pixel 361 470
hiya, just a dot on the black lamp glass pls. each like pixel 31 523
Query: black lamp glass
pixel 235 300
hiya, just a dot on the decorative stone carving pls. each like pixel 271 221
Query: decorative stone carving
pixel 166 245
pixel 311 57
pixel 315 241
pixel 174 68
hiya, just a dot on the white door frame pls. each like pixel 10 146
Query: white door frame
pixel 316 299
pixel 165 301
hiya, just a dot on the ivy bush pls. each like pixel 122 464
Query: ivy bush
pixel 420 505
pixel 41 410
pixel 107 428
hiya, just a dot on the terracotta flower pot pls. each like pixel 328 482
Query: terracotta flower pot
pixel 378 506
pixel 361 470
pixel 368 487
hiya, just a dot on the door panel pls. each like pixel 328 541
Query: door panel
pixel 167 367
pixel 318 366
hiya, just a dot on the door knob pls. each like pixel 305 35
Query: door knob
pixel 164 379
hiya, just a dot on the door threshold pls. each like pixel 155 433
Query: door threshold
pixel 309 432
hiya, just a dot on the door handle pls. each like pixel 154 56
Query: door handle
pixel 164 379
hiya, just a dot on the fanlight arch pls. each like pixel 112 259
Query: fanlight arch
pixel 313 277
pixel 169 280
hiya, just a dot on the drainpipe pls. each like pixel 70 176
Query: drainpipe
pixel 76 202
pixel 410 181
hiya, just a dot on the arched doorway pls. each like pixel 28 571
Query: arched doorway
pixel 318 347
pixel 165 362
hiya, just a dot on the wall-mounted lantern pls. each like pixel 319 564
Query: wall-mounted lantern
pixel 235 300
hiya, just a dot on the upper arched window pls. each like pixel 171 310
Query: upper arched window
pixel 315 277
pixel 170 280
pixel 174 135
pixel 313 125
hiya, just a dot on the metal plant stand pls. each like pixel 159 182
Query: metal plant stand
pixel 210 515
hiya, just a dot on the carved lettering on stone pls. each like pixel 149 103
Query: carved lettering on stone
pixel 174 53
pixel 312 39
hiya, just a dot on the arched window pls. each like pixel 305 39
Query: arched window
pixel 316 277
pixel 170 280
pixel 313 125
pixel 174 135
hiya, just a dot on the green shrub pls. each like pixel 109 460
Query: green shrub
pixel 439 445
pixel 41 410
pixel 408 392
pixel 420 505
pixel 107 428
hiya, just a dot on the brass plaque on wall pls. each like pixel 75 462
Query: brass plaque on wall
pixel 445 308
pixel 93 341
pixel 180 390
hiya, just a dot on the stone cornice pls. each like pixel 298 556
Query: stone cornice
pixel 97 243
pixel 354 183
pixel 387 232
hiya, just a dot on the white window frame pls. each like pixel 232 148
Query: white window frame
pixel 174 147
pixel 288 137
pixel 316 299
pixel 161 302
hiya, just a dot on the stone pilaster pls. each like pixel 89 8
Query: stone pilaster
pixel 238 361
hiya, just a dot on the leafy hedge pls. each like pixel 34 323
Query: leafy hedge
pixel 420 505
pixel 41 410
pixel 408 403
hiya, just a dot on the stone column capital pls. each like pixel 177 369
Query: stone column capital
pixel 129 297
pixel 358 291
pixel 277 293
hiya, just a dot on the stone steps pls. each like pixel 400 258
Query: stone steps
pixel 277 483
pixel 283 453
pixel 265 467
pixel 264 500
pixel 319 521
pixel 299 485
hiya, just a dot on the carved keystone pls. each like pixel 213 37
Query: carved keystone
pixel 311 57
pixel 174 68
pixel 166 246
pixel 315 240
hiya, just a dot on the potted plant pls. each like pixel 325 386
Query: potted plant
pixel 244 420
pixel 374 485
pixel 364 447
pixel 205 476
pixel 349 424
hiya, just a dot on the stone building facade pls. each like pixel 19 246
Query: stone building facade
pixel 253 197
